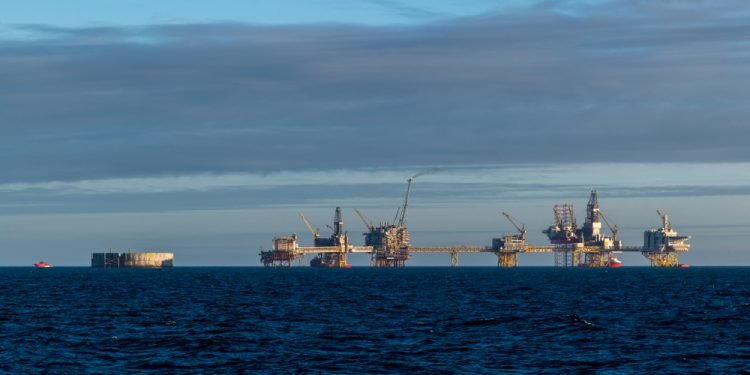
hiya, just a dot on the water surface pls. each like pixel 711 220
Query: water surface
pixel 413 320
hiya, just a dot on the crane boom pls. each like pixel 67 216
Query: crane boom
pixel 521 229
pixel 368 223
pixel 611 228
pixel 402 219
pixel 314 232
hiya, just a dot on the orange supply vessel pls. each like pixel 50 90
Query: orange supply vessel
pixel 615 263
pixel 42 264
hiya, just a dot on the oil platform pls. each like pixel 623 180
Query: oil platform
pixel 662 245
pixel 389 245
pixel 390 241
pixel 587 246
pixel 329 252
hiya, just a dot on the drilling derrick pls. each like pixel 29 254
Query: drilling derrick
pixel 331 252
pixel 661 246
pixel 592 227
pixel 563 229
pixel 564 234
pixel 339 239
pixel 598 247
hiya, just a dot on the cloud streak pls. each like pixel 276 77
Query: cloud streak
pixel 458 187
pixel 634 81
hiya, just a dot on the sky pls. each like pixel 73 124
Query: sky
pixel 204 128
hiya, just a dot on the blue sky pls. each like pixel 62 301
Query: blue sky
pixel 145 12
pixel 205 128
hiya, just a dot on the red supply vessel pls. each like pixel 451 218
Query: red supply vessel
pixel 615 263
pixel 42 264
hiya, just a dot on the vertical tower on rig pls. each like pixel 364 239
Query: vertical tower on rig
pixel 339 239
pixel 587 246
pixel 563 229
pixel 592 227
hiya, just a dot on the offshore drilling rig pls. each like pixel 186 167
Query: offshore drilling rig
pixel 330 252
pixel 339 239
pixel 389 244
pixel 587 246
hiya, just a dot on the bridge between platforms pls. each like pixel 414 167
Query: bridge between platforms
pixel 286 250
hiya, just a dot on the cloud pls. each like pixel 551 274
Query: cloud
pixel 404 10
pixel 635 81
pixel 456 187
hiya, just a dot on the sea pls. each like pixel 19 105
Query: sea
pixel 367 320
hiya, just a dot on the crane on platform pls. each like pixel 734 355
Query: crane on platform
pixel 368 223
pixel 314 232
pixel 521 229
pixel 402 218
pixel 611 227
